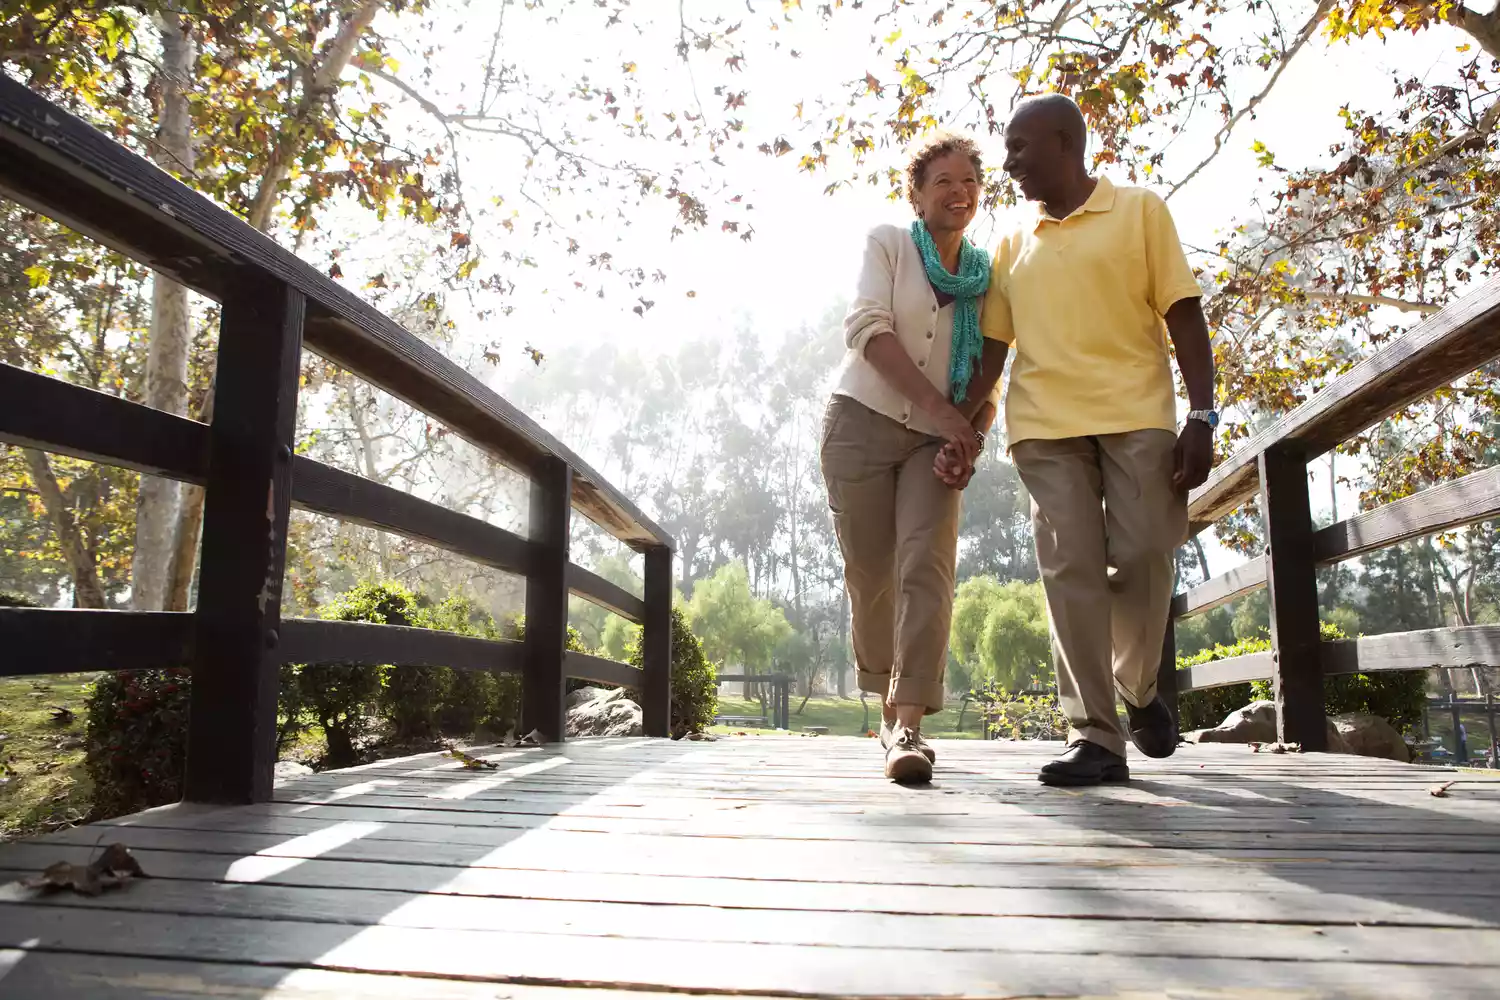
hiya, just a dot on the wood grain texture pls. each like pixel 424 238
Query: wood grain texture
pixel 1464 646
pixel 325 490
pixel 1291 579
pixel 54 416
pixel 1222 589
pixel 542 703
pixel 1442 348
pixel 612 598
pixel 585 666
pixel 248 500
pixel 656 644
pixel 60 641
pixel 311 640
pixel 1222 673
pixel 56 164
pixel 788 866
pixel 1474 498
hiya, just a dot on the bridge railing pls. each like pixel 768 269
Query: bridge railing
pixel 1272 466
pixel 274 306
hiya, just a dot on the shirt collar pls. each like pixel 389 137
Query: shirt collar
pixel 1102 200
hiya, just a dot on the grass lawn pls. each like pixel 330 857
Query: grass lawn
pixel 42 781
pixel 845 717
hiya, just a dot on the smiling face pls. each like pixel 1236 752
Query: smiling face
pixel 947 192
pixel 1038 155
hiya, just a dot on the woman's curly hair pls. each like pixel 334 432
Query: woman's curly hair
pixel 933 147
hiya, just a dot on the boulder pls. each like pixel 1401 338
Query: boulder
pixel 291 769
pixel 1371 736
pixel 596 711
pixel 1256 723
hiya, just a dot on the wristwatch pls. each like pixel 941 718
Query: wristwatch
pixel 1209 417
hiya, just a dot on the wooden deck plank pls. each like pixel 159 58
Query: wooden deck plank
pixel 789 867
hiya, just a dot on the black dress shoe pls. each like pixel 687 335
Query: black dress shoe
pixel 1152 728
pixel 1085 763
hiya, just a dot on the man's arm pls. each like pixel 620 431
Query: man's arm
pixel 1195 359
pixel 979 407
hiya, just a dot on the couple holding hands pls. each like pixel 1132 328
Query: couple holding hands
pixel 1084 293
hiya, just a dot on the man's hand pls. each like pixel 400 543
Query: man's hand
pixel 1194 456
pixel 950 467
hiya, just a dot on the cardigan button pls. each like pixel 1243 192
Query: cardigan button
pixel 922 363
pixel 929 334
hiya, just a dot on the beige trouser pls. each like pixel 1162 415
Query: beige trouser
pixel 897 526
pixel 1108 521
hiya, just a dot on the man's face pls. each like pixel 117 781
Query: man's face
pixel 1034 155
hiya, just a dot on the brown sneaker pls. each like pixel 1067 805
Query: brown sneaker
pixel 887 735
pixel 905 763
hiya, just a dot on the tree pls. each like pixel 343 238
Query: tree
pixel 999 635
pixel 1400 220
pixel 735 626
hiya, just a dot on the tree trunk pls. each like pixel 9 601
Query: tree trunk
pixel 325 77
pixel 87 593
pixel 171 333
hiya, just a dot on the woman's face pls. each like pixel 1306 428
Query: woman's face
pixel 948 195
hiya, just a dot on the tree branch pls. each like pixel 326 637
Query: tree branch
pixel 1352 298
pixel 1222 136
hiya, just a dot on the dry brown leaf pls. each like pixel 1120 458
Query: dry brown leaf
pixel 470 762
pixel 110 870
pixel 1441 791
pixel 532 739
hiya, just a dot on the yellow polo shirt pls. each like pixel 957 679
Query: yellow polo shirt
pixel 1081 301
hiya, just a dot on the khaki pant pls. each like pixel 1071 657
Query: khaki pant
pixel 1108 521
pixel 897 526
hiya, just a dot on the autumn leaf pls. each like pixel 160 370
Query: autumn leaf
pixel 335 271
pixel 37 275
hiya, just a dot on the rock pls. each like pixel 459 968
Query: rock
pixel 291 769
pixel 1256 723
pixel 1371 736
pixel 596 711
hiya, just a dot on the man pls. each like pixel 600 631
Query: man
pixel 1082 292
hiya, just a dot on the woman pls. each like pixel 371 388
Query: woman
pixel 914 383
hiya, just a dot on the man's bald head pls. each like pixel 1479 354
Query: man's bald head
pixel 1057 113
pixel 1045 144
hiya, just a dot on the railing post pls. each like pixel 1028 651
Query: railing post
pixel 236 664
pixel 1291 581
pixel 656 644
pixel 543 706
pixel 1166 671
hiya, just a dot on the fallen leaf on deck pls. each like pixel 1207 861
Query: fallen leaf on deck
pixel 704 737
pixel 110 870
pixel 1441 791
pixel 472 763
pixel 532 739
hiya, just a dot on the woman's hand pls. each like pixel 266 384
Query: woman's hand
pixel 962 439
pixel 951 469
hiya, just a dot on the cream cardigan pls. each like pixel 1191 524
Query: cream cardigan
pixel 894 296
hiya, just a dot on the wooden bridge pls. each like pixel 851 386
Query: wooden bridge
pixel 749 866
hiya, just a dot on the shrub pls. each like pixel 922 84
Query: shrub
pixel 135 740
pixel 1398 697
pixel 1024 716
pixel 338 695
pixel 15 601
pixel 695 686
pixel 477 699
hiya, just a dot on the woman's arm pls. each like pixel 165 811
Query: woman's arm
pixel 889 358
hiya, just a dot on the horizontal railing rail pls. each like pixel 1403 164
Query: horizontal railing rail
pixel 274 306
pixel 1271 466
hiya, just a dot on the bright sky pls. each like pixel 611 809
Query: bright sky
pixel 807 245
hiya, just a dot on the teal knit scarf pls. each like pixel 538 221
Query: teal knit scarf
pixel 971 281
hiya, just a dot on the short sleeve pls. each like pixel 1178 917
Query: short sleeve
pixel 1171 278
pixel 995 321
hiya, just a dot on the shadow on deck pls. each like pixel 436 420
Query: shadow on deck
pixel 783 866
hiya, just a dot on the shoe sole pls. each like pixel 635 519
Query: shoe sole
pixel 1111 776
pixel 909 770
